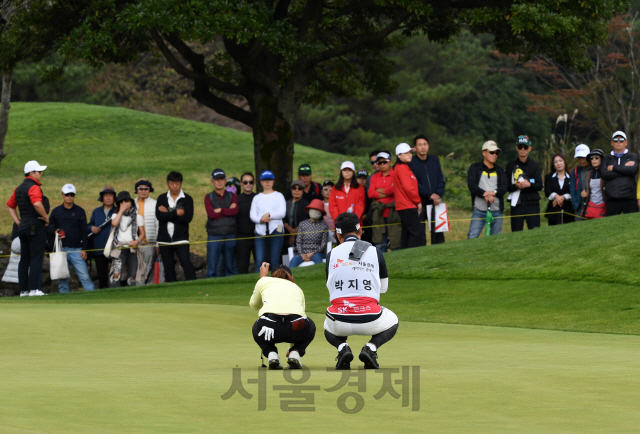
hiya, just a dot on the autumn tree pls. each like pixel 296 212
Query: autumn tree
pixel 608 93
pixel 278 54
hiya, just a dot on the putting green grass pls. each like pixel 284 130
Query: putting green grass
pixel 162 368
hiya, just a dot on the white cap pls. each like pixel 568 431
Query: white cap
pixel 68 188
pixel 384 155
pixel 33 166
pixel 490 146
pixel 582 151
pixel 403 148
pixel 348 165
pixel 619 133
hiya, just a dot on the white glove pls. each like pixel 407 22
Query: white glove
pixel 268 333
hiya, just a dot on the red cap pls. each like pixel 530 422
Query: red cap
pixel 316 204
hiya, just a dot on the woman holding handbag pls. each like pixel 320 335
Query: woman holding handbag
pixel 128 232
pixel 557 189
pixel 593 196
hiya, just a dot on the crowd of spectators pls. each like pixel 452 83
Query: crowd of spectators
pixel 126 235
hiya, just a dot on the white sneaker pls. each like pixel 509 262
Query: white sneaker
pixel 36 293
pixel 294 360
pixel 274 360
pixel 24 294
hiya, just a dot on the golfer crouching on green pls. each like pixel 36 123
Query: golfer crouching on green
pixel 282 318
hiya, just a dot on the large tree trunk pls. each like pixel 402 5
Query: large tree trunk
pixel 273 141
pixel 5 105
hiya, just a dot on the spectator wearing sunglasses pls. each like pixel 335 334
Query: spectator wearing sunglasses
pixel 619 172
pixel 556 189
pixel 488 184
pixel 147 209
pixel 296 213
pixel 312 190
pixel 383 213
pixel 70 222
pixel 593 195
pixel 524 184
pixel 579 184
pixel 246 228
pixel 373 160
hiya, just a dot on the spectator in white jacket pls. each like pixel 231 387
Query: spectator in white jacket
pixel 267 211
pixel 147 209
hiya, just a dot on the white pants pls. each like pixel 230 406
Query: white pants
pixel 338 328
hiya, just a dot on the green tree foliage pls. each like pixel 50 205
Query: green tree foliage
pixel 74 84
pixel 457 94
pixel 279 54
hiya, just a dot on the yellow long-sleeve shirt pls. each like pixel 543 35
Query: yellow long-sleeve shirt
pixel 274 295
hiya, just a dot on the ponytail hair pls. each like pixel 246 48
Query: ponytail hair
pixel 281 273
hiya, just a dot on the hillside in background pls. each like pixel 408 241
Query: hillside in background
pixel 92 146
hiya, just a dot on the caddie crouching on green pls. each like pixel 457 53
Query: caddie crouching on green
pixel 282 317
pixel 356 275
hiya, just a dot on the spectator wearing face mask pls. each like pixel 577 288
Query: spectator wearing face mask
pixel 328 219
pixel 311 242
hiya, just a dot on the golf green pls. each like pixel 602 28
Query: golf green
pixel 107 368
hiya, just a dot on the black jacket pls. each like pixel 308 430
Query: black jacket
pixel 619 183
pixel 552 185
pixel 299 214
pixel 429 175
pixel 74 224
pixel 246 227
pixel 473 179
pixel 181 223
pixel 532 173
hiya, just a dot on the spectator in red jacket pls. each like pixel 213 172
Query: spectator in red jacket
pixel 381 191
pixel 408 203
pixel 347 195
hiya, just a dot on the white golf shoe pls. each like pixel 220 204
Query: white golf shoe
pixel 274 360
pixel 36 293
pixel 294 360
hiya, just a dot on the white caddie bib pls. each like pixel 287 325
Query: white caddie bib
pixel 350 278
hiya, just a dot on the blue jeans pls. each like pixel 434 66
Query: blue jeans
pixel 275 244
pixel 75 260
pixel 477 226
pixel 297 260
pixel 215 249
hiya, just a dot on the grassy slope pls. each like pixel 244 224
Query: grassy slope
pixel 91 146
pixel 580 277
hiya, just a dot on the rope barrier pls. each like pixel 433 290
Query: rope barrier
pixel 301 233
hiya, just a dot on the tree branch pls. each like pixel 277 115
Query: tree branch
pixel 197 63
pixel 204 96
pixel 357 42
